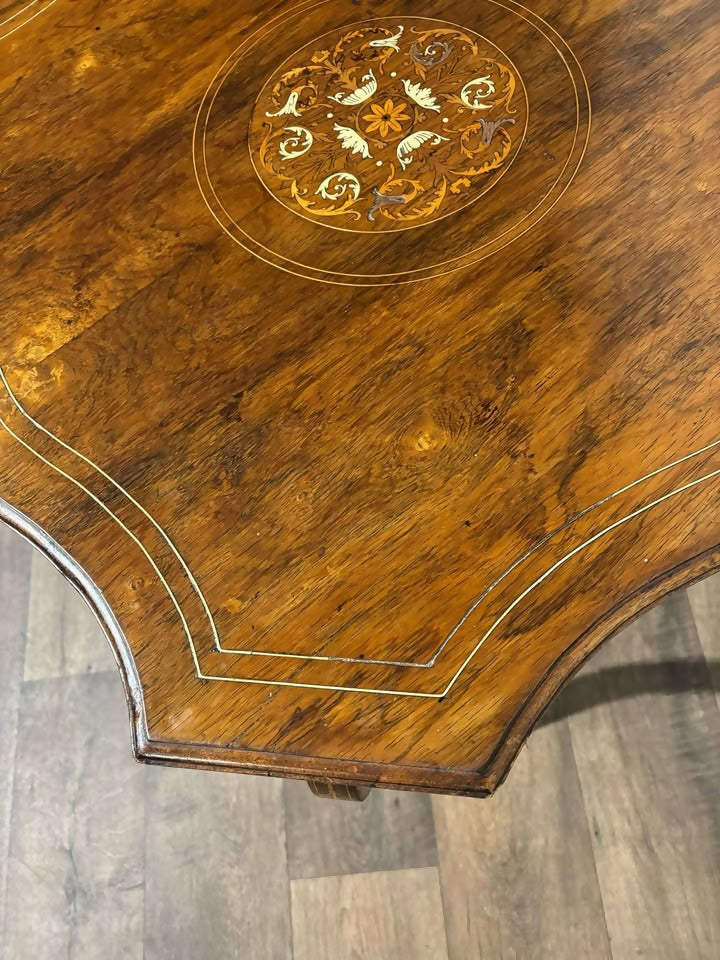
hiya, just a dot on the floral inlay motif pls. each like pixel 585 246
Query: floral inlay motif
pixel 385 119
pixel 388 125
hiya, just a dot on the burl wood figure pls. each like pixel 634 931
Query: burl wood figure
pixel 360 383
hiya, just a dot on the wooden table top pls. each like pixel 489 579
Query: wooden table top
pixel 360 383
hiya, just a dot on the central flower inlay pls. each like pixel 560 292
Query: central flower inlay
pixel 388 126
pixel 385 119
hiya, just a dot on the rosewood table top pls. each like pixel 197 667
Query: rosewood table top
pixel 359 359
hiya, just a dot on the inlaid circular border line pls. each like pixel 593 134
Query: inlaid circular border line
pixel 27 20
pixel 336 688
pixel 397 277
pixel 412 226
pixel 402 277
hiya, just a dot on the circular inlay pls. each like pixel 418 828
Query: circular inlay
pixel 438 108
pixel 357 149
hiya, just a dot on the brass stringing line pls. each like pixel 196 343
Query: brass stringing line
pixel 189 574
pixel 352 283
pixel 532 550
pixel 163 581
pixel 554 567
pixel 408 693
pixel 409 226
pixel 193 582
pixel 109 512
pixel 298 656
pixel 14 16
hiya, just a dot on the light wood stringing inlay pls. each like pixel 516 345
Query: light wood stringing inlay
pixel 280 155
pixel 13 15
pixel 366 662
pixel 319 509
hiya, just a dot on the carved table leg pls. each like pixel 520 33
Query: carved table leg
pixel 338 791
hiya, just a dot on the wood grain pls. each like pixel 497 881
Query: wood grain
pixel 216 883
pixel 62 635
pixel 390 831
pixel 353 504
pixel 704 600
pixel 14 589
pixel 656 902
pixel 76 852
pixel 395 914
pixel 529 840
pixel 515 869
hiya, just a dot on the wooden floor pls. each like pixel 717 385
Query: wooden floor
pixel 603 843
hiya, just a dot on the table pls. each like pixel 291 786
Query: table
pixel 360 360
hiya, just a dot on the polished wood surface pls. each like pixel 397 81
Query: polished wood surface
pixel 359 439
pixel 601 844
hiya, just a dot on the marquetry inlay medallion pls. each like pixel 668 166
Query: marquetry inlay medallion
pixel 329 131
pixel 389 125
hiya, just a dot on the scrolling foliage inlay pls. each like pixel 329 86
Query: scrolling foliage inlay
pixel 388 126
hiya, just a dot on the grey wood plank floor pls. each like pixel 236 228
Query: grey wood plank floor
pixel 604 843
